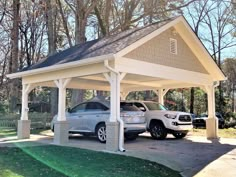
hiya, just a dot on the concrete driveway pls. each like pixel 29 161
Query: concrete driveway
pixel 191 156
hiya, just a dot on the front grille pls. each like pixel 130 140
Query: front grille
pixel 185 118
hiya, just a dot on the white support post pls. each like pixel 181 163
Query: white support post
pixel 26 89
pixel 115 130
pixel 161 93
pixel 61 84
pixel 212 121
pixel 23 130
pixel 61 125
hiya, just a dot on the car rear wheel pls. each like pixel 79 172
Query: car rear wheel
pixel 179 135
pixel 101 132
pixel 158 131
pixel 130 136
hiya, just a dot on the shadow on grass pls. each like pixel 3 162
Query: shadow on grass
pixel 67 161
pixel 188 156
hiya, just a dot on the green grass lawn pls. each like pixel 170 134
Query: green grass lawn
pixel 58 161
pixel 223 133
pixel 7 132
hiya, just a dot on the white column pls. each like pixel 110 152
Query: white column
pixel 161 93
pixel 26 89
pixel 23 129
pixel 61 84
pixel 113 143
pixel 160 96
pixel 114 80
pixel 61 125
pixel 212 121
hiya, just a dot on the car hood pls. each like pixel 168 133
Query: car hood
pixel 168 112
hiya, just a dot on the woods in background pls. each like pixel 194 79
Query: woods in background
pixel 33 30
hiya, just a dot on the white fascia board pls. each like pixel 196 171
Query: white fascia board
pixel 147 38
pixel 62 66
pixel 209 65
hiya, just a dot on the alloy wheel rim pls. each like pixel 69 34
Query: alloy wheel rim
pixel 102 134
pixel 157 131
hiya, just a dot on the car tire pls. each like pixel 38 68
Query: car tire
pixel 101 133
pixel 158 131
pixel 179 135
pixel 131 136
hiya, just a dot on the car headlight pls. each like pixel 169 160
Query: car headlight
pixel 170 116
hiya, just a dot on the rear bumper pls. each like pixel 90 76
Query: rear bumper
pixel 135 128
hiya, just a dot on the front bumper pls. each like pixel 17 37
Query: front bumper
pixel 135 128
pixel 179 126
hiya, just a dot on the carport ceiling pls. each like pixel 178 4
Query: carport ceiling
pixel 131 82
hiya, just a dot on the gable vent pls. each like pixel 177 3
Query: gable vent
pixel 173 46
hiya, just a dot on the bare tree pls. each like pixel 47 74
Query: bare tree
pixel 214 17
pixel 82 10
pixel 65 24
pixel 229 67
pixel 51 30
pixel 13 62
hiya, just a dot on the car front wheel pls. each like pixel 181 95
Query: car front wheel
pixel 101 133
pixel 179 135
pixel 158 131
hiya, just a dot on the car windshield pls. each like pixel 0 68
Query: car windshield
pixel 154 106
pixel 128 107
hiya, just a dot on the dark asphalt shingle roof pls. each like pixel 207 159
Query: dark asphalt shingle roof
pixel 107 45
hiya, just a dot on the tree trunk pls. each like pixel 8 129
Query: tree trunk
pixel 147 95
pixel 81 16
pixel 50 21
pixel 64 23
pixel 192 100
pixel 233 100
pixel 13 63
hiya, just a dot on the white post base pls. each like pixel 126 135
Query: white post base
pixel 61 132
pixel 212 128
pixel 112 136
pixel 23 129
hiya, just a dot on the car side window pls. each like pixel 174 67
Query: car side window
pixel 79 108
pixel 140 106
pixel 95 106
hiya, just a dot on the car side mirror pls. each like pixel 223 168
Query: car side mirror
pixel 142 109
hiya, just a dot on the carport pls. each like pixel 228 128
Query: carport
pixel 157 57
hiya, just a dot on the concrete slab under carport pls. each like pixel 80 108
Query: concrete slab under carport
pixel 192 156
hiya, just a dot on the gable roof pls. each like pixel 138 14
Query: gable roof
pixel 116 46
pixel 104 46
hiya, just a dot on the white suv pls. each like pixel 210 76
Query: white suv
pixel 160 121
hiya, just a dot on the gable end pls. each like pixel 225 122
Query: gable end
pixel 161 50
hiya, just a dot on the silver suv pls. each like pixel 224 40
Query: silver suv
pixel 89 118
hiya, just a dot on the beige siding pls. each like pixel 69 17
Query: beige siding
pixel 157 51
